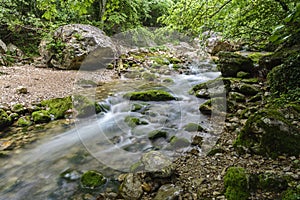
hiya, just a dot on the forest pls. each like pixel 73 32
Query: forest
pixel 213 113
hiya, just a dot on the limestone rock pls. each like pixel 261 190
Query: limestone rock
pixel 3 47
pixel 131 187
pixel 78 45
pixel 168 192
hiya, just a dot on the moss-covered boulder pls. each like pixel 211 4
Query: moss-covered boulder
pixel 248 89
pixel 268 132
pixel 179 142
pixel 150 95
pixel 5 120
pixel 193 127
pixel 211 88
pixel 231 63
pixel 92 180
pixel 157 134
pixel 58 106
pixel 42 116
pixel 238 97
pixel 236 184
pixel 19 109
pixel 24 121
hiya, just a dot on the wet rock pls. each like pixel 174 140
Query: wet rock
pixel 213 88
pixel 78 45
pixel 58 106
pixel 133 121
pixel 24 121
pixel 131 187
pixel 157 164
pixel 157 134
pixel 42 116
pixel 193 127
pixel 268 132
pixel 217 105
pixel 179 142
pixel 92 180
pixel 70 175
pixel 231 63
pixel 150 95
pixel 168 192
pixel 85 107
pixel 5 120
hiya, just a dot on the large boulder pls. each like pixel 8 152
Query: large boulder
pixel 231 63
pixel 215 43
pixel 3 47
pixel 271 132
pixel 5 120
pixel 71 44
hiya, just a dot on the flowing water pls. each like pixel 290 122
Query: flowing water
pixel 105 142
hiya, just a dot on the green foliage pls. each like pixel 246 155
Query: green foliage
pixel 236 184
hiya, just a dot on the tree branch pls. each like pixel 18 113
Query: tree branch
pixel 227 2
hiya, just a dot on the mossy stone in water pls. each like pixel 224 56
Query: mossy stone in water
pixel 85 107
pixel 179 142
pixel 150 95
pixel 193 127
pixel 42 116
pixel 58 106
pixel 134 121
pixel 92 180
pixel 157 134
pixel 5 120
pixel 236 184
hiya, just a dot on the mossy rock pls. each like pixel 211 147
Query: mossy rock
pixel 92 180
pixel 238 97
pixel 5 120
pixel 148 76
pixel 160 60
pixel 217 105
pixel 216 83
pixel 248 90
pixel 58 106
pixel 230 64
pixel 19 108
pixel 24 121
pixel 291 194
pixel 134 121
pixel 193 127
pixel 256 56
pixel 236 184
pixel 150 95
pixel 41 116
pixel 268 132
pixel 272 182
pixel 157 134
pixel 85 107
pixel 179 142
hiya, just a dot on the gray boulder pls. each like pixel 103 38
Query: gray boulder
pixel 77 46
pixel 3 47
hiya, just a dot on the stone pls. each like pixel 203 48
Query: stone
pixel 157 164
pixel 179 142
pixel 193 127
pixel 216 105
pixel 168 192
pixel 3 47
pixel 238 97
pixel 267 132
pixel 58 106
pixel 215 43
pixel 197 140
pixel 134 121
pixel 70 175
pixel 150 95
pixel 131 187
pixel 5 120
pixel 21 90
pixel 157 134
pixel 41 116
pixel 92 180
pixel 242 74
pixel 14 50
pixel 231 63
pixel 85 107
pixel 248 90
pixel 78 45
pixel 19 109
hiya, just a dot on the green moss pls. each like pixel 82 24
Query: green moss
pixel 236 184
pixel 148 76
pixel 256 56
pixel 133 121
pixel 193 127
pixel 248 89
pixel 5 120
pixel 160 60
pixel 174 60
pixel 242 74
pixel 217 104
pixel 42 116
pixel 272 182
pixel 18 108
pixel 92 180
pixel 58 106
pixel 235 96
pixel 24 121
pixel 157 134
pixel 291 194
pixel 150 95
